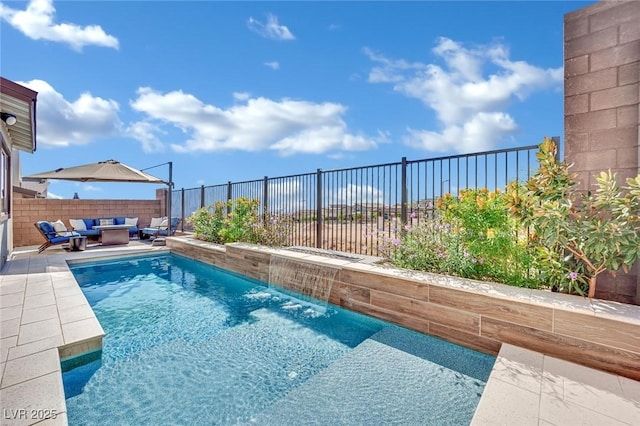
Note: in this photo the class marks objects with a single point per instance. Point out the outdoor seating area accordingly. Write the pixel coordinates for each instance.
(106, 231)
(89, 227)
(159, 227)
(52, 235)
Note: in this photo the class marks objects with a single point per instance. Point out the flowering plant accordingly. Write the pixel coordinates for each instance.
(472, 236)
(239, 220)
(576, 235)
(208, 221)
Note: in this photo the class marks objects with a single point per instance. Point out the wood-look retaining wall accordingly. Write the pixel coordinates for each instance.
(599, 334)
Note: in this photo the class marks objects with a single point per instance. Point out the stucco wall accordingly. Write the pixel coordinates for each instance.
(5, 233)
(602, 97)
(27, 211)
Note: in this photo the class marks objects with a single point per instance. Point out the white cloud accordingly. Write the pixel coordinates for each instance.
(470, 102)
(241, 96)
(37, 22)
(351, 194)
(287, 126)
(63, 123)
(271, 29)
(54, 196)
(145, 133)
(275, 65)
(91, 188)
(286, 196)
(475, 135)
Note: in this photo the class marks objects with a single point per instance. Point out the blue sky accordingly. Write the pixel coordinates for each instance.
(233, 91)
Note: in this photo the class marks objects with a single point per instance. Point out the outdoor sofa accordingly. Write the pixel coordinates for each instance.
(86, 227)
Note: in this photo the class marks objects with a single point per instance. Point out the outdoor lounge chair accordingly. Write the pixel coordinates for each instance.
(50, 235)
(160, 231)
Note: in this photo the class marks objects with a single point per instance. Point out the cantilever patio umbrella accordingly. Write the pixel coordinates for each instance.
(106, 171)
(103, 171)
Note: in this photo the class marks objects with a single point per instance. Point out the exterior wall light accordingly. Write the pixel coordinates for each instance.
(10, 119)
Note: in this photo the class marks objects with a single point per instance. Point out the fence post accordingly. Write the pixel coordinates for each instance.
(265, 200)
(403, 195)
(229, 195)
(202, 196)
(319, 218)
(182, 214)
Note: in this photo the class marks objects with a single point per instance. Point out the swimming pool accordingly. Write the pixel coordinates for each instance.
(188, 343)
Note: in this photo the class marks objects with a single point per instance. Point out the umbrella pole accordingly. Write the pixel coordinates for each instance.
(169, 184)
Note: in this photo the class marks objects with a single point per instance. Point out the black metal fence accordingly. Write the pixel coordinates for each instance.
(341, 209)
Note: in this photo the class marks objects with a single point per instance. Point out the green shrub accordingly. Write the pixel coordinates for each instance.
(276, 231)
(242, 222)
(239, 220)
(577, 235)
(208, 221)
(472, 237)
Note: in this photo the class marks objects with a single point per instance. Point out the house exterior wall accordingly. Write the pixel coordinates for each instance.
(6, 226)
(5, 238)
(602, 98)
(27, 211)
(19, 101)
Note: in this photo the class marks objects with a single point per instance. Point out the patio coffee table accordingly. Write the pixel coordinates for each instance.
(77, 243)
(113, 234)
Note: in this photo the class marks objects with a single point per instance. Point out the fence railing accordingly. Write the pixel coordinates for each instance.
(340, 209)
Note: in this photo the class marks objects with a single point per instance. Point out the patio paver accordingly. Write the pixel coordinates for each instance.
(45, 317)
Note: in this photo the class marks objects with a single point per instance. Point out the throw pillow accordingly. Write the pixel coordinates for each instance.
(78, 224)
(164, 223)
(131, 221)
(155, 222)
(104, 222)
(59, 227)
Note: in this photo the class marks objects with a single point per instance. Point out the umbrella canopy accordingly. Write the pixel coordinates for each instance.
(103, 171)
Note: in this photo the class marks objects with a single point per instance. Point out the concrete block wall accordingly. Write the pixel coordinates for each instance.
(27, 211)
(602, 98)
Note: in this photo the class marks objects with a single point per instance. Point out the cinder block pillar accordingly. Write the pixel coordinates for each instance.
(602, 98)
(161, 195)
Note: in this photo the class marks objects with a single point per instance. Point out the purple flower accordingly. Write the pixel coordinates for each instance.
(442, 255)
(573, 276)
(465, 254)
(412, 215)
(411, 256)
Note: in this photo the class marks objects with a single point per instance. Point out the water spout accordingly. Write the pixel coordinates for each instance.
(309, 279)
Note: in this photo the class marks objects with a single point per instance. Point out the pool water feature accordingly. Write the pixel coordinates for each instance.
(308, 279)
(188, 343)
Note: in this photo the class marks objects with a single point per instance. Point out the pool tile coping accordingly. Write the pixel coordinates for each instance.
(525, 387)
(45, 317)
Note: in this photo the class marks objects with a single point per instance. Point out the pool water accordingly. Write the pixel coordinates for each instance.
(189, 343)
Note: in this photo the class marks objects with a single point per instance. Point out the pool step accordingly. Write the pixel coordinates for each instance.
(243, 367)
(391, 378)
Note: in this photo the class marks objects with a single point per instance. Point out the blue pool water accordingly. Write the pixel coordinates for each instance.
(188, 343)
